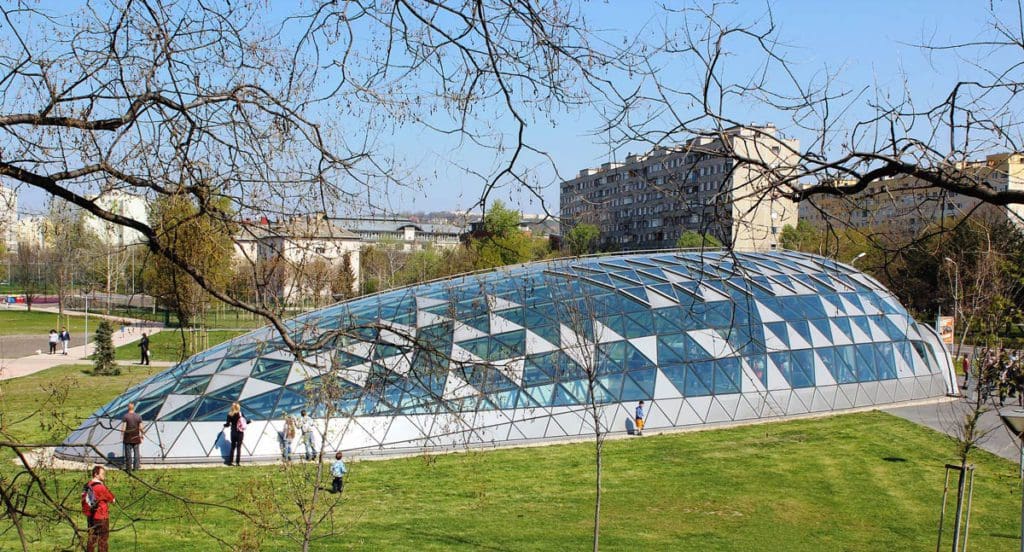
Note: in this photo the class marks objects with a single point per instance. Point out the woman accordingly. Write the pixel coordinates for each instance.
(53, 341)
(237, 424)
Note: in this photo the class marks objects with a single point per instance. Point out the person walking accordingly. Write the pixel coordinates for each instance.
(306, 426)
(144, 350)
(338, 470)
(237, 424)
(96, 501)
(54, 337)
(639, 419)
(65, 339)
(131, 438)
(287, 437)
(966, 364)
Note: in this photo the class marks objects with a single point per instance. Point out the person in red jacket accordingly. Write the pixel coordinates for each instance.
(98, 515)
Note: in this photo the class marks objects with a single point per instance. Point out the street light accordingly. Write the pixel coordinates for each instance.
(956, 295)
(1013, 418)
(858, 257)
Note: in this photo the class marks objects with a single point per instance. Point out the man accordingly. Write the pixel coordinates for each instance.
(306, 426)
(98, 513)
(144, 350)
(131, 437)
(65, 339)
(640, 418)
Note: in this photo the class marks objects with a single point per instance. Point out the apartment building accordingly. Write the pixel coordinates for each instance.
(906, 204)
(649, 200)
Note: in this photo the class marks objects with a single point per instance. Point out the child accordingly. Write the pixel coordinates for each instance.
(338, 471)
(640, 418)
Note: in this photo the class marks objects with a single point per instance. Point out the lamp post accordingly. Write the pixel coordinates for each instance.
(956, 295)
(1013, 418)
(857, 257)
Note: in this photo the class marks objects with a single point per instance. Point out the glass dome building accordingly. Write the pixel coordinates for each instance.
(528, 353)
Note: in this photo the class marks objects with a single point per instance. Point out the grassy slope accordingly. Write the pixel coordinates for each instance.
(166, 345)
(855, 482)
(14, 322)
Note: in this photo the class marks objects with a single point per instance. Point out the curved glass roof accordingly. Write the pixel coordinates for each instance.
(648, 326)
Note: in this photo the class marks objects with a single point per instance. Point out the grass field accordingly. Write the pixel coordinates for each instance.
(19, 322)
(866, 481)
(166, 345)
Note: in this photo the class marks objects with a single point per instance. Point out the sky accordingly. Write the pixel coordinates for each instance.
(868, 44)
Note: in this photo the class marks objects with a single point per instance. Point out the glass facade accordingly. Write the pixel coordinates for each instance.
(521, 353)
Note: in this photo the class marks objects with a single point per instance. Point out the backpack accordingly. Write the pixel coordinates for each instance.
(89, 501)
(240, 425)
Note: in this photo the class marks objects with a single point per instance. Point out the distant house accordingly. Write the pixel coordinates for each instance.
(306, 246)
(408, 234)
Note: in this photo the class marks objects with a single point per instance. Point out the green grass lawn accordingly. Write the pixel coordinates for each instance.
(867, 481)
(19, 322)
(166, 345)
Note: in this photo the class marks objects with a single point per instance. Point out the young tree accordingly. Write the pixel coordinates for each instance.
(29, 273)
(104, 361)
(203, 240)
(582, 239)
(694, 240)
(343, 284)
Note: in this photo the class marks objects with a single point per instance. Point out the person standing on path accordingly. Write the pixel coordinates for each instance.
(144, 350)
(338, 470)
(54, 337)
(65, 339)
(639, 418)
(237, 424)
(287, 437)
(97, 513)
(131, 437)
(306, 426)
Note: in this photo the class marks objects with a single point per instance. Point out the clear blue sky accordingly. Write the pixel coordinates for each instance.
(867, 42)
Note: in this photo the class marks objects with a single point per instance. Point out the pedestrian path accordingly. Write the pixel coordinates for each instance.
(948, 417)
(15, 368)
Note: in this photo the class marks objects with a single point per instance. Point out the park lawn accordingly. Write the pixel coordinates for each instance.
(19, 322)
(866, 481)
(166, 345)
(67, 394)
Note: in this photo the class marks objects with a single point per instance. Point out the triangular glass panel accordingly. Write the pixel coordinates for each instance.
(699, 378)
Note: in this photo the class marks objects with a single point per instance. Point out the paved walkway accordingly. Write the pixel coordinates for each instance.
(16, 367)
(947, 417)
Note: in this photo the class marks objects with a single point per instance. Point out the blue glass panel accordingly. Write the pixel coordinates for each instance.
(865, 362)
(564, 395)
(261, 407)
(541, 394)
(846, 360)
(676, 373)
(803, 369)
(293, 401)
(638, 324)
(191, 385)
(506, 400)
(822, 325)
(719, 314)
(211, 409)
(550, 333)
(539, 369)
(759, 366)
(268, 369)
(781, 330)
(147, 409)
(862, 323)
(231, 363)
(803, 329)
(700, 379)
(613, 384)
(844, 325)
(885, 362)
(727, 376)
